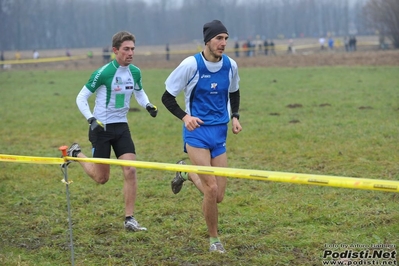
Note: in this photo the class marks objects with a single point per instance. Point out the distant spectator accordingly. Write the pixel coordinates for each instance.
(245, 47)
(90, 54)
(253, 48)
(350, 43)
(259, 45)
(290, 48)
(68, 53)
(266, 47)
(250, 48)
(167, 52)
(331, 43)
(322, 43)
(337, 44)
(272, 51)
(106, 55)
(237, 48)
(17, 55)
(36, 54)
(346, 43)
(2, 58)
(354, 43)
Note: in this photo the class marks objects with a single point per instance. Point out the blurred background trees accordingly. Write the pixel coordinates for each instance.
(49, 24)
(383, 15)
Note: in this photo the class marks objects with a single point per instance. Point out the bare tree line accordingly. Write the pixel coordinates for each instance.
(384, 16)
(50, 24)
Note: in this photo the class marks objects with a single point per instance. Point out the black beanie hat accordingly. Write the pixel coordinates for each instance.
(213, 28)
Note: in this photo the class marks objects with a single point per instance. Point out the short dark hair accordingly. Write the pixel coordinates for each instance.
(120, 37)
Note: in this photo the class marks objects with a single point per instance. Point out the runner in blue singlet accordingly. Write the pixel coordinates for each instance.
(209, 81)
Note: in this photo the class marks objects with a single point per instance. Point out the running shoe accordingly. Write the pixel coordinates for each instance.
(73, 151)
(217, 247)
(132, 225)
(177, 182)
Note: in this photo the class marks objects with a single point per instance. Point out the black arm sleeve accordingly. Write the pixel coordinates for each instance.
(171, 104)
(235, 101)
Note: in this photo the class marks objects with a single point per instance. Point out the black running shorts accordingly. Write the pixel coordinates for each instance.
(116, 136)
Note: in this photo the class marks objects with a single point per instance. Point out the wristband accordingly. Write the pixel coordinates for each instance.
(236, 115)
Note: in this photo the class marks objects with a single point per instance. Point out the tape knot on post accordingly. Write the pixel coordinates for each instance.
(65, 182)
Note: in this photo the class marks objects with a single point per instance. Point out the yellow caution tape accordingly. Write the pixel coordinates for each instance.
(30, 159)
(308, 179)
(43, 60)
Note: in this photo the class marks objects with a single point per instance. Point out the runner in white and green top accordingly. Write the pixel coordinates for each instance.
(114, 84)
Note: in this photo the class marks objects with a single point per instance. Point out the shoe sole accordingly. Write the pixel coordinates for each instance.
(177, 185)
(177, 182)
(74, 147)
(135, 230)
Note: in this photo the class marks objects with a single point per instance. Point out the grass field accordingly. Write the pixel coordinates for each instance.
(333, 121)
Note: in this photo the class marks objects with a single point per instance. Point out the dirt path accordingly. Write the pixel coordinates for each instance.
(371, 58)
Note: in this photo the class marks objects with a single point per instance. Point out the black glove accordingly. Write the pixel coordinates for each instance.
(95, 125)
(152, 109)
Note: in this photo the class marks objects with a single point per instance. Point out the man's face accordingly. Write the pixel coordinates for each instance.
(217, 44)
(124, 55)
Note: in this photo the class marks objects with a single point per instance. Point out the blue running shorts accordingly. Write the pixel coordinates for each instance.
(212, 138)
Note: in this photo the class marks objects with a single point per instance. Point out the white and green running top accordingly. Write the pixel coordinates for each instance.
(114, 86)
